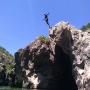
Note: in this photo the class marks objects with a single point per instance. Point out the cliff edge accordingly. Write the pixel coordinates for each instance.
(60, 61)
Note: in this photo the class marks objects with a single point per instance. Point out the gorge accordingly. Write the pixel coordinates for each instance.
(61, 60)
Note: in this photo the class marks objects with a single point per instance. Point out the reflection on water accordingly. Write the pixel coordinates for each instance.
(9, 88)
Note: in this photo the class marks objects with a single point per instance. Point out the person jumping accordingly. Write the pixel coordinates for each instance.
(46, 19)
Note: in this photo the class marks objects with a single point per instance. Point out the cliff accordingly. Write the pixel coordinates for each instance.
(81, 64)
(60, 61)
(6, 65)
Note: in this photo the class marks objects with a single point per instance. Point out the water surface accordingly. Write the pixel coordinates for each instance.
(9, 88)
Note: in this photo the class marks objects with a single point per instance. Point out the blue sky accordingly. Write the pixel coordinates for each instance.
(21, 21)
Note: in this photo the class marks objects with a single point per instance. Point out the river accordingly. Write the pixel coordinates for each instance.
(9, 88)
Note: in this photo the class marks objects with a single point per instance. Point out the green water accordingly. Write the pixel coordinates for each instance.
(9, 88)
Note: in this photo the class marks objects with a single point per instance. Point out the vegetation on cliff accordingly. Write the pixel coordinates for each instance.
(44, 39)
(85, 27)
(6, 59)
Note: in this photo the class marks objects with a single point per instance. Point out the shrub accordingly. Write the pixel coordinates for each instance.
(44, 39)
(85, 27)
(7, 59)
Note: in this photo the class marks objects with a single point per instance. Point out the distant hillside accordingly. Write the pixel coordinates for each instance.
(6, 58)
(85, 27)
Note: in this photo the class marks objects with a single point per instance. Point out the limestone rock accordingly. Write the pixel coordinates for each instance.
(79, 44)
(81, 50)
(64, 63)
(61, 43)
(60, 34)
(32, 65)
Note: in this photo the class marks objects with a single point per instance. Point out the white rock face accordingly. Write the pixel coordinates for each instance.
(34, 80)
(60, 34)
(72, 41)
(81, 50)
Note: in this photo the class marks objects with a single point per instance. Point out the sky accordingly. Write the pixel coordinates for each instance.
(21, 21)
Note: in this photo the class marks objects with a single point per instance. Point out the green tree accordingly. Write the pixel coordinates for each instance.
(85, 27)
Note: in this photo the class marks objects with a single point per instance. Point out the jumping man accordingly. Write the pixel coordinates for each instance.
(46, 19)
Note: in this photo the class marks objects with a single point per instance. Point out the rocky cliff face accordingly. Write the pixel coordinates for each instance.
(59, 63)
(33, 65)
(81, 50)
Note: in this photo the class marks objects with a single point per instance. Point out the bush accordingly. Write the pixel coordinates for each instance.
(44, 39)
(85, 27)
